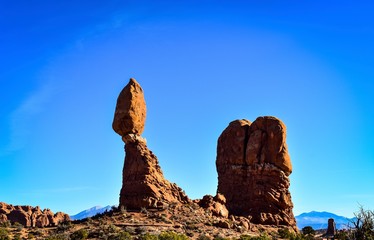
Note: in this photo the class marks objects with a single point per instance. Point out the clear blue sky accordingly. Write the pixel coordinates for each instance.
(201, 64)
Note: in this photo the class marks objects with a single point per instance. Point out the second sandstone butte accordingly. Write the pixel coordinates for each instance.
(143, 183)
(253, 167)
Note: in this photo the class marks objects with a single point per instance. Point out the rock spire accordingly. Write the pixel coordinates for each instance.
(143, 183)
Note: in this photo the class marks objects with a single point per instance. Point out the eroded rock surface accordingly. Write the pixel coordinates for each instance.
(143, 185)
(143, 182)
(31, 216)
(130, 113)
(216, 205)
(253, 167)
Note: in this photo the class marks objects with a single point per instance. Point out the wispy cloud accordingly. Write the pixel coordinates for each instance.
(20, 118)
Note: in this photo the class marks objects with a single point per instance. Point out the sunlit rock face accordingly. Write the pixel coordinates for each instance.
(253, 166)
(143, 183)
(30, 216)
(130, 113)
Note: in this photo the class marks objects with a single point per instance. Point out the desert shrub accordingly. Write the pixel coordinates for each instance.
(124, 236)
(363, 224)
(262, 236)
(6, 224)
(341, 235)
(18, 226)
(79, 234)
(148, 236)
(58, 237)
(120, 236)
(308, 230)
(113, 229)
(4, 234)
(172, 236)
(37, 232)
(220, 238)
(64, 226)
(30, 236)
(123, 209)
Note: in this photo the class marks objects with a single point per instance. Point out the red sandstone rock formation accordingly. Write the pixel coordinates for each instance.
(31, 217)
(253, 167)
(215, 204)
(130, 113)
(143, 182)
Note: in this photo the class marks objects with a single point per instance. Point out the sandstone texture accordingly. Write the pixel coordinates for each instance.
(253, 167)
(143, 182)
(31, 216)
(130, 113)
(216, 205)
(143, 185)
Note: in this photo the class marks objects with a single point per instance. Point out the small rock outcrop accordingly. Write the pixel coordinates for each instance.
(331, 228)
(30, 216)
(143, 183)
(216, 205)
(253, 167)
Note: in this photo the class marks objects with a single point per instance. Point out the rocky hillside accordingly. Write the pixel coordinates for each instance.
(188, 220)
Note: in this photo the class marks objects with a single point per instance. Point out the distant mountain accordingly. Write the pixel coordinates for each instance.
(318, 220)
(90, 212)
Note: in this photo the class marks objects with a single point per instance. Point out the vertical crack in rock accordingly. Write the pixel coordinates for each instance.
(245, 142)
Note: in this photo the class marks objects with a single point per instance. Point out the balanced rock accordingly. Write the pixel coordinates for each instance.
(143, 183)
(130, 113)
(31, 216)
(253, 167)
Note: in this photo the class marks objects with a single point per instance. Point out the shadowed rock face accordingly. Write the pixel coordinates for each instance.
(31, 216)
(331, 228)
(253, 167)
(143, 182)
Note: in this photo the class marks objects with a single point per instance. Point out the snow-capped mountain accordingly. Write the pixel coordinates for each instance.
(318, 220)
(90, 212)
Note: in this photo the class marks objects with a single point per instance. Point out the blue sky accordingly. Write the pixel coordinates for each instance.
(201, 64)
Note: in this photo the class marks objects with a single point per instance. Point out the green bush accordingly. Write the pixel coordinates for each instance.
(58, 237)
(363, 224)
(120, 236)
(64, 226)
(308, 230)
(172, 236)
(263, 236)
(80, 234)
(4, 234)
(148, 236)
